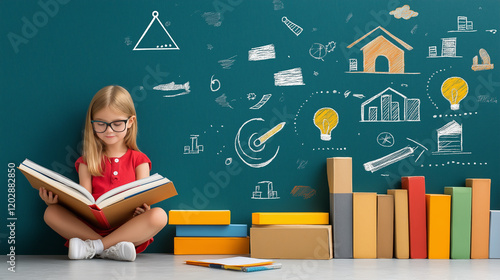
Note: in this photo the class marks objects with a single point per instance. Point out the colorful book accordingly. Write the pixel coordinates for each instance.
(401, 228)
(480, 227)
(494, 234)
(339, 171)
(460, 231)
(211, 245)
(341, 221)
(199, 217)
(385, 226)
(233, 230)
(438, 225)
(290, 218)
(233, 262)
(416, 215)
(364, 225)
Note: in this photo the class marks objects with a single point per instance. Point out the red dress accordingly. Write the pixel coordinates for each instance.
(116, 172)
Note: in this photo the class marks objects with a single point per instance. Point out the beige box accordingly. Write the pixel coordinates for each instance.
(339, 170)
(291, 242)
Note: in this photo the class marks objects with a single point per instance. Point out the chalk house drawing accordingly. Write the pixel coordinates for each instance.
(260, 191)
(450, 139)
(165, 42)
(464, 25)
(485, 59)
(390, 106)
(195, 148)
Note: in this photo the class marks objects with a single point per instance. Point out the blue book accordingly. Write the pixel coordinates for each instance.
(232, 230)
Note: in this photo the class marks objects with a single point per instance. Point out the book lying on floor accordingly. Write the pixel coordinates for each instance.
(238, 263)
(111, 209)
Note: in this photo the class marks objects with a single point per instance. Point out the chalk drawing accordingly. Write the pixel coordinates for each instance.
(389, 159)
(385, 139)
(464, 25)
(414, 29)
(214, 84)
(427, 88)
(173, 87)
(128, 42)
(403, 12)
(278, 5)
(213, 18)
(194, 148)
(227, 63)
(291, 77)
(222, 101)
(326, 119)
(454, 89)
(493, 31)
(319, 51)
(348, 18)
(383, 107)
(292, 26)
(164, 43)
(450, 139)
(251, 96)
(269, 194)
(262, 101)
(485, 59)
(448, 49)
(302, 164)
(262, 53)
(303, 191)
(359, 95)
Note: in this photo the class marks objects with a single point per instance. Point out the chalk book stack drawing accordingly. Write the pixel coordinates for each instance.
(111, 209)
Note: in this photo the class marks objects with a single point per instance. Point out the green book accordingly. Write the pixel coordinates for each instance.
(461, 207)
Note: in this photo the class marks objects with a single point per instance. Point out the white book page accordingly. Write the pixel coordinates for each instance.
(123, 195)
(236, 261)
(128, 186)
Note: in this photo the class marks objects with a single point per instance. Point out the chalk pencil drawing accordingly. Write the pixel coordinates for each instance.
(326, 119)
(383, 107)
(262, 101)
(292, 26)
(382, 52)
(403, 12)
(165, 42)
(448, 49)
(454, 89)
(194, 148)
(389, 159)
(464, 25)
(270, 133)
(450, 139)
(269, 194)
(385, 139)
(222, 101)
(214, 84)
(485, 59)
(319, 51)
(303, 191)
(172, 86)
(291, 77)
(262, 53)
(228, 62)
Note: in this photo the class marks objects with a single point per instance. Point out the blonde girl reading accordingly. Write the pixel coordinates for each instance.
(110, 158)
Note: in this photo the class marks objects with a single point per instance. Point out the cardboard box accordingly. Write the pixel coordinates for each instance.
(199, 217)
(417, 216)
(341, 221)
(211, 245)
(385, 226)
(339, 170)
(291, 242)
(480, 231)
(290, 218)
(461, 206)
(364, 225)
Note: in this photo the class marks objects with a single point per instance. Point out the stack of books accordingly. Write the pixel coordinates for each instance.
(208, 232)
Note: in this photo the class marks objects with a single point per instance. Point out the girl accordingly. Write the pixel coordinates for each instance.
(110, 158)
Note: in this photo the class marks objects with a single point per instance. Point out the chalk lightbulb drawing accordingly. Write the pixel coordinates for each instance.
(454, 89)
(326, 119)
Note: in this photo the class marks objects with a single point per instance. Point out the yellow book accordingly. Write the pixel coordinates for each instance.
(401, 224)
(211, 245)
(438, 225)
(364, 225)
(199, 217)
(290, 218)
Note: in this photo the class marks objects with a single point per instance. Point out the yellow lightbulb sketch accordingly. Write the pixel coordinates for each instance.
(326, 119)
(454, 89)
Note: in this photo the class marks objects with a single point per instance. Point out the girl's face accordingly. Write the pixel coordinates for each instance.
(110, 119)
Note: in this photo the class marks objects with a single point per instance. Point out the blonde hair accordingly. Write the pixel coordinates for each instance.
(116, 98)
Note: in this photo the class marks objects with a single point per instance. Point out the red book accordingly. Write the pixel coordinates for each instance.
(417, 215)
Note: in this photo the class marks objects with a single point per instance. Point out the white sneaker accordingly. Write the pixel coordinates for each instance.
(80, 250)
(122, 251)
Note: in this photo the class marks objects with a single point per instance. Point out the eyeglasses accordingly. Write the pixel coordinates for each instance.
(116, 126)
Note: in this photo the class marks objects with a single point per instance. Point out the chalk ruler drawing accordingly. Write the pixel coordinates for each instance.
(269, 194)
(448, 49)
(326, 119)
(291, 77)
(173, 87)
(454, 89)
(385, 139)
(319, 51)
(381, 49)
(194, 148)
(403, 12)
(262, 53)
(450, 140)
(292, 26)
(164, 43)
(383, 107)
(262, 101)
(485, 59)
(464, 25)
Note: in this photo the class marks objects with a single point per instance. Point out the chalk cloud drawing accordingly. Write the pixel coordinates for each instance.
(454, 89)
(172, 86)
(262, 53)
(403, 12)
(326, 119)
(450, 139)
(260, 189)
(291, 77)
(161, 43)
(194, 148)
(228, 62)
(262, 102)
(385, 139)
(319, 51)
(464, 25)
(485, 59)
(292, 26)
(303, 191)
(255, 145)
(222, 101)
(214, 84)
(448, 49)
(383, 107)
(381, 48)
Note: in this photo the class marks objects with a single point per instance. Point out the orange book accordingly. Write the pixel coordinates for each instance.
(199, 217)
(385, 226)
(401, 232)
(211, 245)
(438, 225)
(364, 225)
(480, 229)
(417, 215)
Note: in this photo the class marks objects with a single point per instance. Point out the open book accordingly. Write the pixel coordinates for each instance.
(111, 209)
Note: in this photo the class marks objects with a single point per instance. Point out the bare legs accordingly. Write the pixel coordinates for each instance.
(137, 230)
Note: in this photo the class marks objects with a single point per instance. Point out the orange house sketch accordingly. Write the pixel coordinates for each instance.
(382, 47)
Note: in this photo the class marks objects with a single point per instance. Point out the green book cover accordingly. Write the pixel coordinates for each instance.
(461, 207)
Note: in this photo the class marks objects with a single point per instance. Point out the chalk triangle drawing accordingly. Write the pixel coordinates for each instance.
(155, 42)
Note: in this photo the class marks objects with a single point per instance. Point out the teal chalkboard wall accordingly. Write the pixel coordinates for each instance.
(229, 74)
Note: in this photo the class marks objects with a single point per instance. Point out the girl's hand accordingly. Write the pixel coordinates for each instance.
(48, 197)
(142, 209)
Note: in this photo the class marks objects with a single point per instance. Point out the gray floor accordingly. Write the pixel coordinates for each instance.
(167, 266)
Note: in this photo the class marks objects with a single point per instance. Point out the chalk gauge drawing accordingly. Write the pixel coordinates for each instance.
(262, 53)
(403, 12)
(292, 26)
(164, 42)
(464, 25)
(326, 119)
(262, 101)
(390, 106)
(450, 140)
(255, 145)
(485, 59)
(394, 157)
(319, 51)
(291, 77)
(448, 49)
(385, 139)
(194, 148)
(214, 84)
(175, 88)
(382, 50)
(270, 193)
(454, 89)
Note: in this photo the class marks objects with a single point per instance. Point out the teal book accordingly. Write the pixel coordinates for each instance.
(461, 209)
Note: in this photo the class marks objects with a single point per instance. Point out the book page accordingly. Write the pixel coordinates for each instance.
(235, 261)
(128, 186)
(131, 192)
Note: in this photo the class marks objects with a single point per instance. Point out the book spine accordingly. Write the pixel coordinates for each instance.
(401, 228)
(364, 229)
(211, 245)
(438, 225)
(290, 218)
(495, 233)
(385, 226)
(207, 217)
(417, 215)
(99, 215)
(341, 220)
(234, 230)
(460, 228)
(339, 171)
(480, 217)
